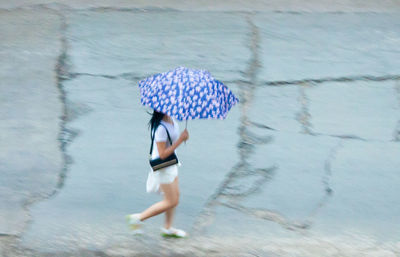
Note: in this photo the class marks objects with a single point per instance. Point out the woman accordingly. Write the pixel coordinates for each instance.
(164, 181)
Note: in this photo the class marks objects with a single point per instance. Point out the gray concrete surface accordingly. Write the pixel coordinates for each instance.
(324, 46)
(30, 157)
(305, 165)
(106, 44)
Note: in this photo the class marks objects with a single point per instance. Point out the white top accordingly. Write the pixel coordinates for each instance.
(161, 135)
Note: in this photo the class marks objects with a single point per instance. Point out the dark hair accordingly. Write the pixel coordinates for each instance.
(155, 120)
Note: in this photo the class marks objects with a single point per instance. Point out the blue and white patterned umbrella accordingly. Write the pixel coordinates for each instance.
(187, 94)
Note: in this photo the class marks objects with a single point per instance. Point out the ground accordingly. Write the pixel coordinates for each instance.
(305, 165)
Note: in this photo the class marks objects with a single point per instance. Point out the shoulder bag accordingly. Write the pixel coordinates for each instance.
(159, 163)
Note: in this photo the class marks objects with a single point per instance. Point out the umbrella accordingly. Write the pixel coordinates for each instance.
(187, 94)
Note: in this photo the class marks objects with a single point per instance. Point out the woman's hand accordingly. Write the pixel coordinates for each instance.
(164, 151)
(184, 136)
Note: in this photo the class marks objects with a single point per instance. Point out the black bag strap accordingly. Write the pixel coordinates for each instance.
(153, 134)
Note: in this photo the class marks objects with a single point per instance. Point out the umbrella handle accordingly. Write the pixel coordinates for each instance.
(185, 128)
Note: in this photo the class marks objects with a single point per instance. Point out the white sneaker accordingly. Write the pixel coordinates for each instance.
(173, 232)
(134, 223)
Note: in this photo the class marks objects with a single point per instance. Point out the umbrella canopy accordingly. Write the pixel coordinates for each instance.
(187, 94)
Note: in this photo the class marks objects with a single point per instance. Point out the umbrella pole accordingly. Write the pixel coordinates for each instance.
(185, 128)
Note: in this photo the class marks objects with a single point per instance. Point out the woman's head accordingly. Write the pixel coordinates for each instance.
(155, 119)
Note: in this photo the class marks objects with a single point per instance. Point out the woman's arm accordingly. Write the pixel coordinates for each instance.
(164, 151)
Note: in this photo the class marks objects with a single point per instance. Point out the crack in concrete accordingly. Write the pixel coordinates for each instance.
(63, 7)
(304, 115)
(231, 191)
(62, 70)
(253, 139)
(78, 74)
(330, 79)
(127, 75)
(344, 136)
(6, 235)
(265, 214)
(349, 137)
(326, 182)
(328, 167)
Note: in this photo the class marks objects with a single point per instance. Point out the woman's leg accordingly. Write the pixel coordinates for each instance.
(169, 214)
(171, 199)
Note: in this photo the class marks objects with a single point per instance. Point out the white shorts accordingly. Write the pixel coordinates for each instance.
(162, 176)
